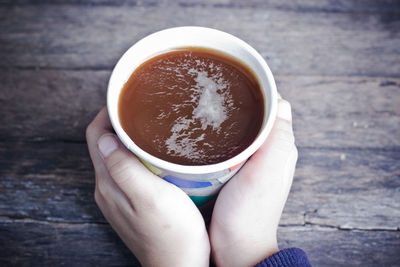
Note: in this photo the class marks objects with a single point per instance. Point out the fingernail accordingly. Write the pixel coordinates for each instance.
(107, 144)
(284, 110)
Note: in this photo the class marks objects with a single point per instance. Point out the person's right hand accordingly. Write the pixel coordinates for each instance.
(246, 214)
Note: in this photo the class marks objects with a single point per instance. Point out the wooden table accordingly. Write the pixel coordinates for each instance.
(337, 62)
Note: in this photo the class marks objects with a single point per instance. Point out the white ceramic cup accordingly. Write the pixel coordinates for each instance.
(203, 182)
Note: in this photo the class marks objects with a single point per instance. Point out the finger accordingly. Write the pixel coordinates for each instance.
(105, 187)
(273, 155)
(284, 110)
(281, 135)
(98, 127)
(129, 174)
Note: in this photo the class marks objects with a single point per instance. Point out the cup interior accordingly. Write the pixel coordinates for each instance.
(186, 37)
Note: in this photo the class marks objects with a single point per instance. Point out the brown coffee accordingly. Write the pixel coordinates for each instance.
(192, 106)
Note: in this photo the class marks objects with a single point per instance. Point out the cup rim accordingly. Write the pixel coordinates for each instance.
(197, 169)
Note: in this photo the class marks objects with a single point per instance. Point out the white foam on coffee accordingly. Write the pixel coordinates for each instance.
(181, 143)
(210, 109)
(211, 100)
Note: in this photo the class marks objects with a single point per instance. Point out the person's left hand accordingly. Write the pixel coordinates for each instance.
(155, 219)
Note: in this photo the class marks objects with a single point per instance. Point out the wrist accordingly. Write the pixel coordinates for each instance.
(192, 253)
(180, 259)
(244, 253)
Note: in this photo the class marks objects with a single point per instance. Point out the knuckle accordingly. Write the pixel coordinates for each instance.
(121, 171)
(287, 103)
(284, 130)
(283, 145)
(285, 111)
(283, 124)
(146, 199)
(127, 178)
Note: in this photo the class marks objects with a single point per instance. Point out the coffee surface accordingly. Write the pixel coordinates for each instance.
(192, 107)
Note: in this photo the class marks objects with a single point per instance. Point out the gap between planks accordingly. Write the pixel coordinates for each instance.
(4, 219)
(44, 140)
(110, 68)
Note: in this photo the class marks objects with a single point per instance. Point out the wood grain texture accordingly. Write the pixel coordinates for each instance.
(44, 244)
(352, 112)
(94, 37)
(358, 112)
(347, 189)
(50, 181)
(50, 104)
(332, 247)
(337, 62)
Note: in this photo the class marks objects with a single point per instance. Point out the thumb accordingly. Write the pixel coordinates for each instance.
(278, 154)
(128, 173)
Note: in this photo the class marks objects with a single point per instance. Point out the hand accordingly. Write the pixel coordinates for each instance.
(155, 219)
(247, 211)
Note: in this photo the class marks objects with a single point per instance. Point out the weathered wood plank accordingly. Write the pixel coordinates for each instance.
(47, 181)
(348, 189)
(332, 247)
(358, 112)
(50, 104)
(309, 43)
(348, 175)
(344, 112)
(39, 244)
(300, 6)
(44, 244)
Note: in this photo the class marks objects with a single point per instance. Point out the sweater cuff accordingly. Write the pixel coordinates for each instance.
(289, 257)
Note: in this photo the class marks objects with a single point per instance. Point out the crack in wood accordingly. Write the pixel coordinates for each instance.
(39, 68)
(15, 219)
(355, 148)
(109, 68)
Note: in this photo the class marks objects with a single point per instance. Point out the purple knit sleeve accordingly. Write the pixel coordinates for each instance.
(289, 257)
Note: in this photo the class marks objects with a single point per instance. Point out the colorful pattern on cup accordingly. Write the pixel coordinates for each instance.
(185, 183)
(151, 168)
(200, 188)
(201, 200)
